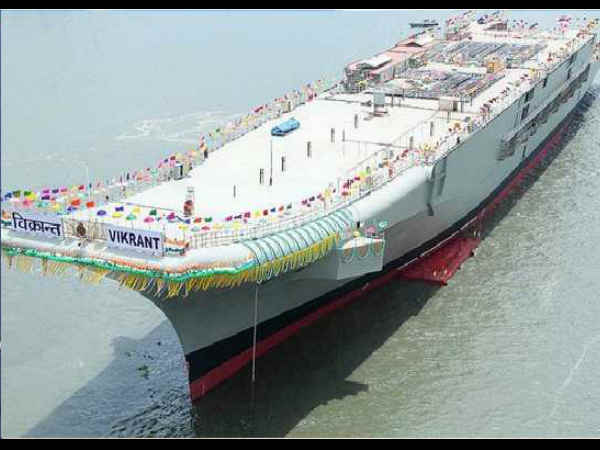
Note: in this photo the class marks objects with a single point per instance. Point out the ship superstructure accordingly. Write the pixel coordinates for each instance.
(378, 169)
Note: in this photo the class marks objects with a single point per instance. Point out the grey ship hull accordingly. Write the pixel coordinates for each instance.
(216, 327)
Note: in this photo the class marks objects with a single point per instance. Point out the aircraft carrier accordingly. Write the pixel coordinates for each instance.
(328, 192)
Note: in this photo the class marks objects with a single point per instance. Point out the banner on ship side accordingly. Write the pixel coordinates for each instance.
(34, 223)
(143, 241)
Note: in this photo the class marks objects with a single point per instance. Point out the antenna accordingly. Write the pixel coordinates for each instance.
(271, 176)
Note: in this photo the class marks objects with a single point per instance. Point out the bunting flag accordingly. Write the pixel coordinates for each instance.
(171, 284)
(220, 135)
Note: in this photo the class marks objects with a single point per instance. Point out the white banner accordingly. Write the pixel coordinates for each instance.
(36, 223)
(138, 240)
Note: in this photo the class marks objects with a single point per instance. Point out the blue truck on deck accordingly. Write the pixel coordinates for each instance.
(286, 127)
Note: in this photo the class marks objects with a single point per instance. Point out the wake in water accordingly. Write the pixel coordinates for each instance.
(181, 129)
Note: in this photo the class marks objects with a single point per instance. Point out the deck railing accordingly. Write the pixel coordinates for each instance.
(382, 166)
(385, 164)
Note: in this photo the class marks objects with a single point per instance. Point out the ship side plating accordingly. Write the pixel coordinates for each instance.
(421, 207)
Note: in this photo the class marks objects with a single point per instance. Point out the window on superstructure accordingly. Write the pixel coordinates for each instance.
(529, 95)
(532, 127)
(569, 74)
(545, 82)
(585, 74)
(524, 112)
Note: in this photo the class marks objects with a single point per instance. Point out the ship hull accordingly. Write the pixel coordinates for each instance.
(217, 328)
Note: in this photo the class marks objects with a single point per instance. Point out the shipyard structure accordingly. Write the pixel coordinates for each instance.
(300, 206)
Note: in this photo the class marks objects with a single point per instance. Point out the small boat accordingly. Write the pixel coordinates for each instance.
(425, 24)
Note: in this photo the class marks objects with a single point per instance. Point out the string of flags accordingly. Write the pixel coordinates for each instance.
(98, 195)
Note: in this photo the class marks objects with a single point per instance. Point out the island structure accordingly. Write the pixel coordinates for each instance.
(304, 204)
